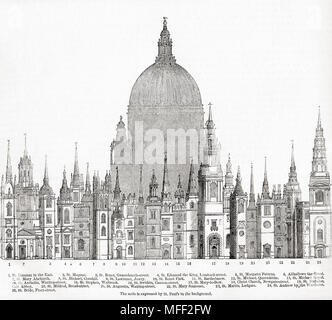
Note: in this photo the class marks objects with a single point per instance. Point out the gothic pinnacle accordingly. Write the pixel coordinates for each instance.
(9, 173)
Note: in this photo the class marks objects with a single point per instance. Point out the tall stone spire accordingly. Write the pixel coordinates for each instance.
(76, 175)
(238, 190)
(46, 189)
(252, 187)
(165, 55)
(140, 188)
(25, 146)
(319, 160)
(192, 187)
(265, 189)
(46, 179)
(292, 172)
(9, 172)
(87, 181)
(117, 190)
(165, 192)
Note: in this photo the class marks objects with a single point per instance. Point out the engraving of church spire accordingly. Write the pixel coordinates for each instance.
(140, 188)
(165, 192)
(319, 160)
(9, 172)
(238, 190)
(25, 168)
(229, 174)
(192, 186)
(252, 187)
(165, 45)
(292, 171)
(153, 186)
(87, 181)
(265, 189)
(76, 180)
(179, 193)
(117, 190)
(65, 192)
(46, 189)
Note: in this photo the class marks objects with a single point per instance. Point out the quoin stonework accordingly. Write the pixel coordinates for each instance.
(165, 195)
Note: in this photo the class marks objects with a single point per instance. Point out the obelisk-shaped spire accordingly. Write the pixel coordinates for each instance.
(87, 180)
(252, 187)
(165, 192)
(9, 172)
(265, 189)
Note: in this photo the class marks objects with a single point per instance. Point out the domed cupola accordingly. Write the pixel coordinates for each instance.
(165, 83)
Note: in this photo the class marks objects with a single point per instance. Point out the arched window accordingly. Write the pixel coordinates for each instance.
(130, 250)
(153, 242)
(241, 206)
(103, 218)
(9, 209)
(320, 235)
(66, 216)
(319, 196)
(9, 252)
(103, 231)
(213, 191)
(49, 203)
(192, 240)
(9, 233)
(81, 245)
(228, 241)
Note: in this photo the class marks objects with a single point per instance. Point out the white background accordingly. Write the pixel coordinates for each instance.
(67, 68)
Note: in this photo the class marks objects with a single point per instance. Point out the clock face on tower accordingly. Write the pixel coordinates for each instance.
(267, 224)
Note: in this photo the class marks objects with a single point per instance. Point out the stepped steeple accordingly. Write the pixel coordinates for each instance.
(9, 172)
(292, 172)
(25, 168)
(319, 161)
(153, 186)
(192, 187)
(76, 182)
(179, 193)
(229, 175)
(165, 44)
(117, 190)
(265, 189)
(165, 192)
(65, 194)
(252, 187)
(238, 190)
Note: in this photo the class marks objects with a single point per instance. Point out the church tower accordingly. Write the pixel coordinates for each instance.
(211, 224)
(265, 220)
(8, 216)
(319, 198)
(238, 208)
(76, 184)
(292, 192)
(251, 220)
(47, 215)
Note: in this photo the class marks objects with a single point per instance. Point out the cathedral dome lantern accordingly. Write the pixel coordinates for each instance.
(165, 83)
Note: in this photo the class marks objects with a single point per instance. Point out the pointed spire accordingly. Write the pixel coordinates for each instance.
(65, 194)
(252, 188)
(192, 190)
(265, 189)
(153, 186)
(140, 190)
(46, 179)
(229, 174)
(238, 190)
(165, 193)
(319, 122)
(292, 172)
(165, 55)
(117, 190)
(9, 173)
(179, 193)
(76, 180)
(87, 182)
(25, 146)
(209, 123)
